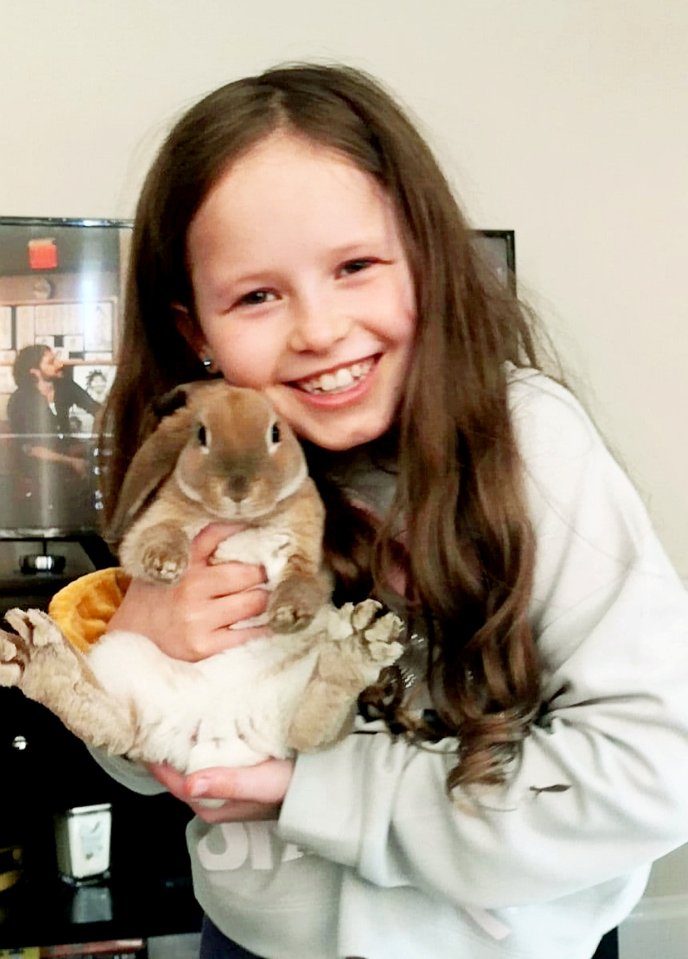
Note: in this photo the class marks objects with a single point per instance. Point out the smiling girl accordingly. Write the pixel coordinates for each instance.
(507, 787)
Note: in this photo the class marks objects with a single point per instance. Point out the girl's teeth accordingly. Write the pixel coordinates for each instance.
(344, 377)
(341, 379)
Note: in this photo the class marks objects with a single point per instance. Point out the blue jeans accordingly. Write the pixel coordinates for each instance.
(215, 945)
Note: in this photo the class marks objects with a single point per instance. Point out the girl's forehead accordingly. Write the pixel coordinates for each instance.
(282, 162)
(288, 142)
(287, 177)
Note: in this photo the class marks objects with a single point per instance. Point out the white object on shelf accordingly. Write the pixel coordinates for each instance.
(82, 836)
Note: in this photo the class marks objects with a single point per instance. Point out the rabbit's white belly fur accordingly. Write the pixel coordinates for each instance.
(232, 709)
(265, 547)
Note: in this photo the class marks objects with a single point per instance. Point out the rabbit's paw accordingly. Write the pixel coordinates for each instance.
(159, 566)
(363, 614)
(378, 632)
(164, 555)
(12, 659)
(34, 629)
(294, 602)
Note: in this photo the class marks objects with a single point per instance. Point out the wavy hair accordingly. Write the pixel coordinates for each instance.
(468, 547)
(27, 359)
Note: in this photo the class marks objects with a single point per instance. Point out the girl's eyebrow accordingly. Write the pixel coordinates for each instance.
(378, 244)
(226, 285)
(372, 243)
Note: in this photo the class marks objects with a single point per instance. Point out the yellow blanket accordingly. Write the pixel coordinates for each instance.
(83, 608)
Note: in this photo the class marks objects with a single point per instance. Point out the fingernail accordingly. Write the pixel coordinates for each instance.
(199, 787)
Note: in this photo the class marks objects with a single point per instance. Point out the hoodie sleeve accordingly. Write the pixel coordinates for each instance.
(129, 774)
(601, 785)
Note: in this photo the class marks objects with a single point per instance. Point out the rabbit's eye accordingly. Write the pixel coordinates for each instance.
(273, 436)
(201, 435)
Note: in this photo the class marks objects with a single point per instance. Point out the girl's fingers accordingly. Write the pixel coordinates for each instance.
(226, 579)
(225, 611)
(206, 542)
(251, 793)
(267, 782)
(203, 629)
(191, 620)
(173, 781)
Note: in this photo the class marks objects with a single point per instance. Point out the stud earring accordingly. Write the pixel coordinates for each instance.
(209, 365)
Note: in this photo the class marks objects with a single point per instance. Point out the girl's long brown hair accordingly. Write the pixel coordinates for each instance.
(469, 548)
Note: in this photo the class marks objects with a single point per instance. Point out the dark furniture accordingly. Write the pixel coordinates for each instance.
(45, 770)
(149, 890)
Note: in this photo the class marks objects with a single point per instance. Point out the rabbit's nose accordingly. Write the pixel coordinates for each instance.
(238, 486)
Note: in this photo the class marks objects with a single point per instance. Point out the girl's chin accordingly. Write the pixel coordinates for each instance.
(340, 436)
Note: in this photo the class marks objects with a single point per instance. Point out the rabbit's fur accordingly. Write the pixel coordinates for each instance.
(221, 455)
(225, 455)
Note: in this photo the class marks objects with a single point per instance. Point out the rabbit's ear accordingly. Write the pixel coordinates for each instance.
(171, 401)
(150, 467)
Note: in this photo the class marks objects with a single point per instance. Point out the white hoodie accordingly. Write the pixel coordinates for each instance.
(370, 858)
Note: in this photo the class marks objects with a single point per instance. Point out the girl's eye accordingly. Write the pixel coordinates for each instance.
(256, 298)
(355, 266)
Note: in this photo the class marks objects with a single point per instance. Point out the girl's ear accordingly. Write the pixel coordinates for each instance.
(189, 329)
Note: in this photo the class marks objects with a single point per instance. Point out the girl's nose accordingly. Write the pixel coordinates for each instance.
(317, 327)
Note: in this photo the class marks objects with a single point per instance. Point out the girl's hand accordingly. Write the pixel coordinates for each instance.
(250, 793)
(191, 620)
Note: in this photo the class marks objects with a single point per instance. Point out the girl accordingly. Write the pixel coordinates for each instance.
(508, 785)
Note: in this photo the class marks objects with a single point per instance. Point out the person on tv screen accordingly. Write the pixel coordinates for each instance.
(39, 415)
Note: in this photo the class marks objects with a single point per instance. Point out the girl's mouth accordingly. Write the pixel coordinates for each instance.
(337, 381)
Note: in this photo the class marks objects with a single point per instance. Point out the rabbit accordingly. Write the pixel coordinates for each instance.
(225, 455)
(220, 453)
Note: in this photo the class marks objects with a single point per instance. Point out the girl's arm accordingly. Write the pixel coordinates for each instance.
(601, 786)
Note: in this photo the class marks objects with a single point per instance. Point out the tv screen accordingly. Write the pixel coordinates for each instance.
(61, 291)
(499, 249)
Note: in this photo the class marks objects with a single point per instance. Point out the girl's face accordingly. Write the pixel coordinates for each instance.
(302, 288)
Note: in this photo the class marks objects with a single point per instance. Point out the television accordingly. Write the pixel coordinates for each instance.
(61, 294)
(499, 249)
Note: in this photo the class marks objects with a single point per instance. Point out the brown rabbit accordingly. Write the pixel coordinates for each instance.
(221, 454)
(225, 455)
